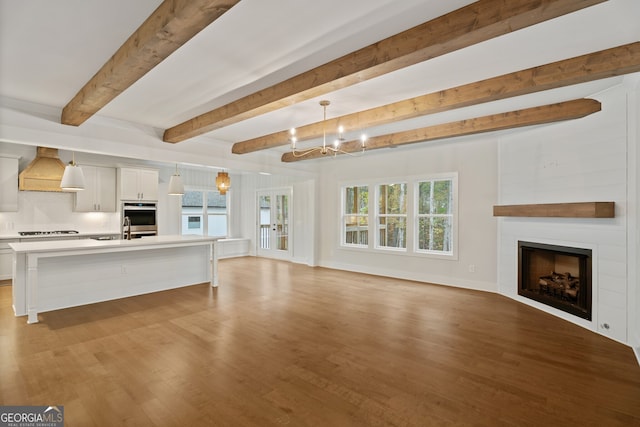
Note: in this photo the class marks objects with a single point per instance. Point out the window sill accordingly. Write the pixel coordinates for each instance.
(400, 252)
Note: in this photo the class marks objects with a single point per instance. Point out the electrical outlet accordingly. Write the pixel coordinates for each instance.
(472, 268)
(123, 269)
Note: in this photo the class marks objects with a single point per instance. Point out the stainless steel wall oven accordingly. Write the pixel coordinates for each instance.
(143, 219)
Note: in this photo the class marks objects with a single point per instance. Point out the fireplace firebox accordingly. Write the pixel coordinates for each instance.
(558, 276)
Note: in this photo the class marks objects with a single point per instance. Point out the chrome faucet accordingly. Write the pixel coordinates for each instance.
(127, 223)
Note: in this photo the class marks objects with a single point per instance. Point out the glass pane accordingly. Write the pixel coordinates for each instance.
(393, 199)
(217, 224)
(265, 221)
(356, 200)
(393, 232)
(350, 202)
(441, 197)
(192, 199)
(216, 200)
(363, 200)
(282, 222)
(192, 223)
(424, 197)
(356, 230)
(435, 234)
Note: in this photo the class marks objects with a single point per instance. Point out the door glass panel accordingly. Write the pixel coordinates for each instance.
(282, 222)
(265, 221)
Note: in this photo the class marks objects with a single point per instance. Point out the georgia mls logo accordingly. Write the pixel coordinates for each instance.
(31, 416)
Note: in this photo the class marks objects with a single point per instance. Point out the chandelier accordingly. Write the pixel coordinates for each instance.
(325, 148)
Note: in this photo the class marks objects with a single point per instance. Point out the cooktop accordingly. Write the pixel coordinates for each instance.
(46, 233)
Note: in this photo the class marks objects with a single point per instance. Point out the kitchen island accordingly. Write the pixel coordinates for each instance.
(52, 275)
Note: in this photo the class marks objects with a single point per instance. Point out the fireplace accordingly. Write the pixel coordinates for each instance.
(558, 276)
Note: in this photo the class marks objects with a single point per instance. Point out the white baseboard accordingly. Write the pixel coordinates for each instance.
(636, 348)
(305, 261)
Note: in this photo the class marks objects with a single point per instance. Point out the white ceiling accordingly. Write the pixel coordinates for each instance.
(50, 49)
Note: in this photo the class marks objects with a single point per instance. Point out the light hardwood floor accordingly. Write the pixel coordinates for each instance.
(283, 344)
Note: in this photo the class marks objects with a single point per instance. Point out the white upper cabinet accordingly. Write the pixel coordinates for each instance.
(8, 184)
(138, 184)
(99, 194)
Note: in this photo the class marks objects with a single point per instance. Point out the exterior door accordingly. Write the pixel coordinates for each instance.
(274, 216)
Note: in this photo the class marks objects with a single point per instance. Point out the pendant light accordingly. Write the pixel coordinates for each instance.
(223, 182)
(73, 178)
(176, 186)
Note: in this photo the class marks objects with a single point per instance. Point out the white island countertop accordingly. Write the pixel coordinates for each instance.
(15, 235)
(55, 274)
(73, 245)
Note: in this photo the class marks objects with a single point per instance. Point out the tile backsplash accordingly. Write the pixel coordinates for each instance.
(54, 211)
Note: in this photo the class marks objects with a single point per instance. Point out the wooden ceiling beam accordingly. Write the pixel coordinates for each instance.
(472, 24)
(171, 25)
(514, 119)
(599, 65)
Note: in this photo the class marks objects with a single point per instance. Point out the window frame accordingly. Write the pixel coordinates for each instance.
(344, 215)
(377, 216)
(452, 177)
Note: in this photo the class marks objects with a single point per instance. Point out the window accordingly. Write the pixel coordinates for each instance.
(434, 216)
(204, 213)
(355, 216)
(392, 216)
(417, 217)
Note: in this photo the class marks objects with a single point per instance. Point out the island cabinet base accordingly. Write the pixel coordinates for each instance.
(49, 281)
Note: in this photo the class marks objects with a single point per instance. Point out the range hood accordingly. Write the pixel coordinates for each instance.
(44, 173)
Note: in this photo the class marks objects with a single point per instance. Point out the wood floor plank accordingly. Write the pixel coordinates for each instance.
(284, 344)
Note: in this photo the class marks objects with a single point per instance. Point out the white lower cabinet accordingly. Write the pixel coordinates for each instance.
(99, 194)
(6, 259)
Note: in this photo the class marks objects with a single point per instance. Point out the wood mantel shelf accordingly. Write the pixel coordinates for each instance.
(558, 210)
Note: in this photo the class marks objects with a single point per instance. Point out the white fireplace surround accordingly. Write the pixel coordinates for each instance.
(593, 158)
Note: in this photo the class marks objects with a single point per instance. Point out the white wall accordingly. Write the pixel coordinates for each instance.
(475, 160)
(634, 212)
(574, 161)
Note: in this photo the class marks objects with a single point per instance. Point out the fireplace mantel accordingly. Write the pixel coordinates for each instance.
(558, 210)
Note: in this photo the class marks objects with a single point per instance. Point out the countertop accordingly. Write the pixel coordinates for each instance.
(13, 235)
(90, 244)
